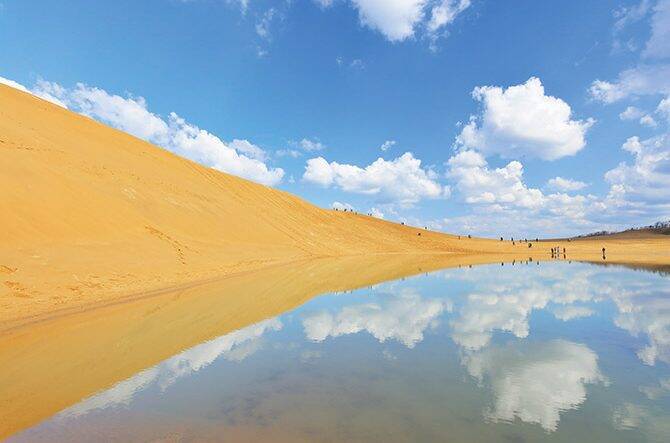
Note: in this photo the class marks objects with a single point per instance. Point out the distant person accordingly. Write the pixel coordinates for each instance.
(530, 245)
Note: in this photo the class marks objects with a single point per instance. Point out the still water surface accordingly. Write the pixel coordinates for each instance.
(550, 352)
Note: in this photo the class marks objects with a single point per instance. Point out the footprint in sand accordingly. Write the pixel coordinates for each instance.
(7, 270)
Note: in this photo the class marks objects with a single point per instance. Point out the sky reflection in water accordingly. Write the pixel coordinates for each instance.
(552, 352)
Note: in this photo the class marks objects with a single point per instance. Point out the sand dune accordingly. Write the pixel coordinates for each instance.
(91, 215)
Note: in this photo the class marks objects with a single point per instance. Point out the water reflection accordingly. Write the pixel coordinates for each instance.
(567, 351)
(401, 316)
(644, 310)
(235, 346)
(535, 382)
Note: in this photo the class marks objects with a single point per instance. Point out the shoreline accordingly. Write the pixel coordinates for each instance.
(483, 257)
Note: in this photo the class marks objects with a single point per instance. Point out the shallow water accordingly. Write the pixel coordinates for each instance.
(556, 352)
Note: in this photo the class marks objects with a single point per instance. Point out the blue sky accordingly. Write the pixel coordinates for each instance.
(525, 118)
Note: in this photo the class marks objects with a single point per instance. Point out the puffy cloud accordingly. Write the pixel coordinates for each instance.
(565, 184)
(401, 180)
(658, 45)
(131, 114)
(480, 184)
(388, 144)
(396, 19)
(535, 382)
(648, 120)
(403, 317)
(647, 179)
(504, 203)
(399, 20)
(631, 113)
(523, 121)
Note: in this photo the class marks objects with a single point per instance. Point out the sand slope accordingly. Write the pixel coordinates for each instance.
(91, 214)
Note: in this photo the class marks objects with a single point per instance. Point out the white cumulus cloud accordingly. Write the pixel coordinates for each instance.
(523, 121)
(480, 184)
(399, 20)
(647, 178)
(401, 180)
(631, 113)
